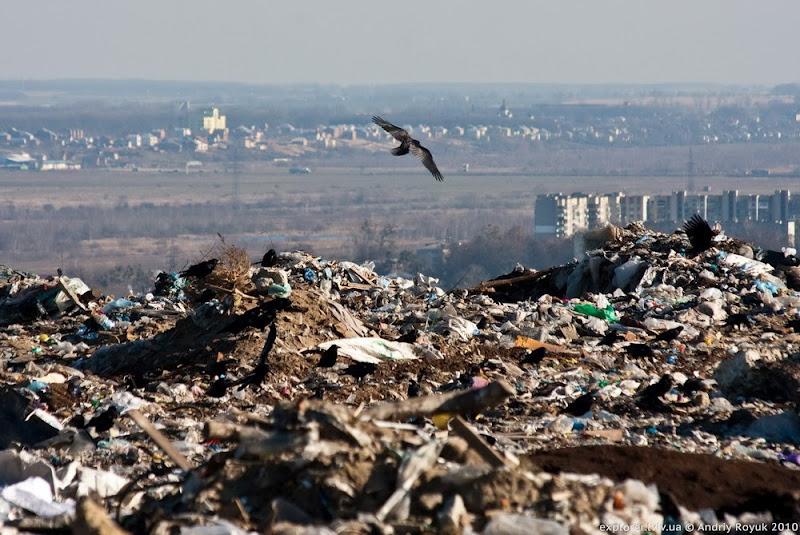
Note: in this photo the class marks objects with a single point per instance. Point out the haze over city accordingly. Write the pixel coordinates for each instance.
(360, 41)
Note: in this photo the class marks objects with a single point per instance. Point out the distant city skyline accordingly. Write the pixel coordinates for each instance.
(364, 42)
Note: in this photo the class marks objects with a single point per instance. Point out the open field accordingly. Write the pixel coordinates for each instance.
(100, 187)
(94, 222)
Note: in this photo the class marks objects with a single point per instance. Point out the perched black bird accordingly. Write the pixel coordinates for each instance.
(794, 325)
(219, 387)
(359, 370)
(31, 308)
(163, 283)
(269, 259)
(752, 300)
(639, 350)
(78, 421)
(206, 295)
(610, 338)
(104, 421)
(670, 334)
(328, 358)
(414, 390)
(581, 405)
(534, 356)
(201, 270)
(792, 275)
(218, 366)
(699, 233)
(547, 389)
(409, 337)
(739, 320)
(60, 272)
(648, 397)
(778, 259)
(409, 144)
(692, 385)
(262, 367)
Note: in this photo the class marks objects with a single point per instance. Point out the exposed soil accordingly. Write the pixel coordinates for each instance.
(695, 481)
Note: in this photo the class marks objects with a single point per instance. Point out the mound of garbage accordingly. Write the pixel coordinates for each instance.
(647, 387)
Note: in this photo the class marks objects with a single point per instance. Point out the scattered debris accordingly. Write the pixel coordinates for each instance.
(652, 382)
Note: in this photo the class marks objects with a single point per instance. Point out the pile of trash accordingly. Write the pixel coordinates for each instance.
(651, 386)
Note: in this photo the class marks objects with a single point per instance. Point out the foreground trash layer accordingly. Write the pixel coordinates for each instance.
(645, 387)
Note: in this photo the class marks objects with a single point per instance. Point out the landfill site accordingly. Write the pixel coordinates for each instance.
(649, 386)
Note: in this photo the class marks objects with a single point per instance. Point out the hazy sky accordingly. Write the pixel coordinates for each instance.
(377, 41)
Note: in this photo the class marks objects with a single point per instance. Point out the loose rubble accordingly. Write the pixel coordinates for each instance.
(642, 388)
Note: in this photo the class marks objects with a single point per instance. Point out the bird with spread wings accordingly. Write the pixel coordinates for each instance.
(409, 144)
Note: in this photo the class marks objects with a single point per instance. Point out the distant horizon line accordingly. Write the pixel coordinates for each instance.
(391, 84)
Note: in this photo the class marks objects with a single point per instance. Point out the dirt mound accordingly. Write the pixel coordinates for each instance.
(695, 481)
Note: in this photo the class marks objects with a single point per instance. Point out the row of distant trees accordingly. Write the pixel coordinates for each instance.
(464, 263)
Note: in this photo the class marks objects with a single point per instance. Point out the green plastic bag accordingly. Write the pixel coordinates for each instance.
(608, 313)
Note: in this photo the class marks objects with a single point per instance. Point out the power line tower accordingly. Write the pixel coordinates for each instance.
(691, 185)
(184, 113)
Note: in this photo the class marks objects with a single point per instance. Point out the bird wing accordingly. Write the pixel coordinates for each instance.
(699, 232)
(398, 133)
(426, 158)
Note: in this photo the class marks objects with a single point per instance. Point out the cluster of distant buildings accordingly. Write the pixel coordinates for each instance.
(75, 149)
(562, 216)
(46, 149)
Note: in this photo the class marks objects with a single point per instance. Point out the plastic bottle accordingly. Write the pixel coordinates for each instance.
(118, 304)
(104, 321)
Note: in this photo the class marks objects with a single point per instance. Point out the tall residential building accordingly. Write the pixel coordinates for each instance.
(214, 122)
(660, 208)
(602, 210)
(753, 207)
(634, 208)
(730, 206)
(563, 215)
(696, 204)
(560, 215)
(714, 207)
(779, 206)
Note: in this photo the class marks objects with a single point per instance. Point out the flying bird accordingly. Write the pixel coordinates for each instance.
(699, 232)
(409, 144)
